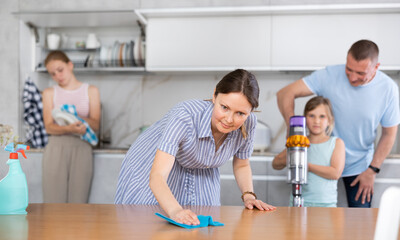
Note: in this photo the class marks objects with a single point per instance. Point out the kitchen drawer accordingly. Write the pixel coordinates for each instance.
(278, 193)
(105, 177)
(231, 195)
(390, 169)
(259, 166)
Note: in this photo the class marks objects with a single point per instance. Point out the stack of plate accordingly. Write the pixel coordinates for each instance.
(63, 118)
(124, 54)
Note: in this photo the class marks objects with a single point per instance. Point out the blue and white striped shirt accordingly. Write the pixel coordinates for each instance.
(184, 132)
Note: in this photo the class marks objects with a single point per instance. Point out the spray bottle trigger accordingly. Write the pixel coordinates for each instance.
(22, 152)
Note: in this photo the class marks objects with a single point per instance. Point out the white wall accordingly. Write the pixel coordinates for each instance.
(9, 48)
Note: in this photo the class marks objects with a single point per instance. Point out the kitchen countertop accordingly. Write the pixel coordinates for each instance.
(124, 150)
(117, 221)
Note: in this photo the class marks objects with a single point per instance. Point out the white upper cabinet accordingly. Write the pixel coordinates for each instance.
(277, 38)
(316, 40)
(208, 43)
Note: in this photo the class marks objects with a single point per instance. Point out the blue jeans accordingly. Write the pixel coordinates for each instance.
(351, 193)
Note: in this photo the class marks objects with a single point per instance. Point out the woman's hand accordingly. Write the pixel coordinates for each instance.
(260, 205)
(185, 216)
(78, 127)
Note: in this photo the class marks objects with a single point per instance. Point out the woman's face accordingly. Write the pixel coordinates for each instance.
(60, 71)
(230, 112)
(318, 120)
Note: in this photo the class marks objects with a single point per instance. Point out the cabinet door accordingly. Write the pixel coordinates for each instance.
(106, 170)
(313, 40)
(208, 43)
(230, 192)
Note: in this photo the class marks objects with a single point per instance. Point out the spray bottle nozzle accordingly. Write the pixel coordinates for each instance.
(15, 149)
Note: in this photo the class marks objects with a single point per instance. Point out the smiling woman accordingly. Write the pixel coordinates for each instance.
(175, 161)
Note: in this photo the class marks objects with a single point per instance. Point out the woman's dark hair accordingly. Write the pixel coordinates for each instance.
(364, 49)
(56, 55)
(240, 81)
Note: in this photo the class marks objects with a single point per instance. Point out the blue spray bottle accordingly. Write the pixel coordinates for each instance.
(13, 187)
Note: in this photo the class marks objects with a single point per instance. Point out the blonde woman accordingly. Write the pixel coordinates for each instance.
(67, 159)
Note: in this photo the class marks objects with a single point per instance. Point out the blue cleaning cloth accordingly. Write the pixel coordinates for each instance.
(205, 221)
(89, 136)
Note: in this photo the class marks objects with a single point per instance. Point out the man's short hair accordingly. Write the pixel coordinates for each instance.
(364, 49)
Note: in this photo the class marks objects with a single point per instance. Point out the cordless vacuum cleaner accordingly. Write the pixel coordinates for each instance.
(296, 157)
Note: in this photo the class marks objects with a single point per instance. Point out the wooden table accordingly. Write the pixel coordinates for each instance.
(108, 221)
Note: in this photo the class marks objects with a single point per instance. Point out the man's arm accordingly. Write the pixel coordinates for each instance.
(279, 161)
(385, 144)
(288, 94)
(367, 178)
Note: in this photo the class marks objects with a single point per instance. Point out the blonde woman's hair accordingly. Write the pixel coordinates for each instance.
(56, 55)
(313, 103)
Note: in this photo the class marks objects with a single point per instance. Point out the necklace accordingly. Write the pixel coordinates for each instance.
(219, 140)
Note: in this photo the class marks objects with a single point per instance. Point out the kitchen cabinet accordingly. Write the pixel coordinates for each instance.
(106, 167)
(105, 177)
(317, 40)
(261, 38)
(267, 38)
(270, 185)
(211, 43)
(115, 30)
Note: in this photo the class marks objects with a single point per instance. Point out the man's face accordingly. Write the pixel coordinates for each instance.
(360, 72)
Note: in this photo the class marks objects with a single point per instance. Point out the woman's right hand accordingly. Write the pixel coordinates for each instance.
(185, 216)
(78, 128)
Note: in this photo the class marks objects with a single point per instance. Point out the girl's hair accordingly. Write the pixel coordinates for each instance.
(314, 102)
(56, 55)
(240, 81)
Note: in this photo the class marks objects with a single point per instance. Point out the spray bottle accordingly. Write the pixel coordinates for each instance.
(13, 187)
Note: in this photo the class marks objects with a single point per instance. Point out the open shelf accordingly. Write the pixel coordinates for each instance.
(101, 69)
(79, 18)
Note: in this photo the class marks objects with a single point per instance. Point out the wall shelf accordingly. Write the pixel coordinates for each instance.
(79, 18)
(102, 69)
(114, 26)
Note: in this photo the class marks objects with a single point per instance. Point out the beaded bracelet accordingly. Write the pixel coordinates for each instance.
(248, 192)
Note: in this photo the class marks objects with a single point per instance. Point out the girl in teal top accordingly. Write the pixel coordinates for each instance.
(326, 155)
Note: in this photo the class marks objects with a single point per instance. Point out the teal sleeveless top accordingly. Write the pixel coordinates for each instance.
(319, 191)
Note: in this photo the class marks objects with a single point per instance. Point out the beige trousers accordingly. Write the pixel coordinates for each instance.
(67, 170)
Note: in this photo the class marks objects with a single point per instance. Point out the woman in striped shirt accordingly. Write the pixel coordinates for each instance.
(175, 161)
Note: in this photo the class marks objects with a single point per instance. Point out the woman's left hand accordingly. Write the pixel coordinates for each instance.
(260, 205)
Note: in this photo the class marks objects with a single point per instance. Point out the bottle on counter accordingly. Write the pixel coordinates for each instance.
(13, 187)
